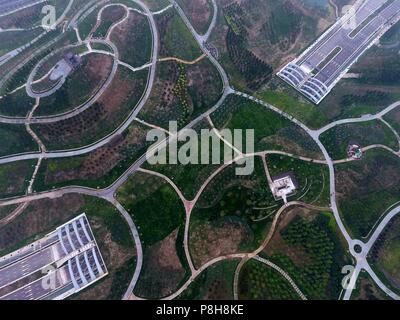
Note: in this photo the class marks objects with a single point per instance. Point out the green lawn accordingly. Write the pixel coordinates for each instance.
(304, 111)
(15, 139)
(337, 139)
(367, 188)
(260, 282)
(178, 40)
(14, 178)
(319, 254)
(215, 283)
(156, 212)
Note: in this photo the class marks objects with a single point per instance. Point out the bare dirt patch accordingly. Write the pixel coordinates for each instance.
(278, 246)
(162, 270)
(366, 189)
(113, 13)
(98, 120)
(39, 217)
(98, 67)
(210, 240)
(101, 161)
(369, 291)
(199, 13)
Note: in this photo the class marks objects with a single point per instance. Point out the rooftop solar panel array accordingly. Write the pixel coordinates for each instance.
(71, 255)
(322, 65)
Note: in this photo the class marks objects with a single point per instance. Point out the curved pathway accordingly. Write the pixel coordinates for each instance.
(284, 274)
(138, 245)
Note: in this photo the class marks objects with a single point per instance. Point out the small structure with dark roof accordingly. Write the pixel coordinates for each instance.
(72, 59)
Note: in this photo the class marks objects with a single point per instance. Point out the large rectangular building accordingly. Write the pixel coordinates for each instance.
(323, 64)
(58, 265)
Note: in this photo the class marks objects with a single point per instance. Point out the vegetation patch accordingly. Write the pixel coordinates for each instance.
(255, 71)
(190, 177)
(271, 130)
(312, 178)
(385, 254)
(160, 258)
(255, 37)
(260, 282)
(133, 39)
(15, 139)
(102, 118)
(110, 15)
(98, 169)
(14, 178)
(311, 252)
(392, 36)
(79, 87)
(175, 38)
(11, 40)
(214, 283)
(181, 93)
(154, 206)
(199, 12)
(17, 103)
(393, 118)
(235, 211)
(302, 110)
(366, 189)
(6, 210)
(366, 289)
(337, 139)
(155, 5)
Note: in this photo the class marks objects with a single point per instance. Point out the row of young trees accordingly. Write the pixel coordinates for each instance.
(255, 71)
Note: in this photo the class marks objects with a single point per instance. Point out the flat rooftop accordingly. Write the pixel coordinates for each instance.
(315, 72)
(58, 265)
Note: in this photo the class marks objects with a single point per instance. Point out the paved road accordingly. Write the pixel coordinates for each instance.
(76, 111)
(362, 261)
(138, 245)
(35, 290)
(118, 131)
(213, 21)
(364, 118)
(17, 51)
(29, 265)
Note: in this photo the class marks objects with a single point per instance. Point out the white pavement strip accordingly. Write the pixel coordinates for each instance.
(284, 274)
